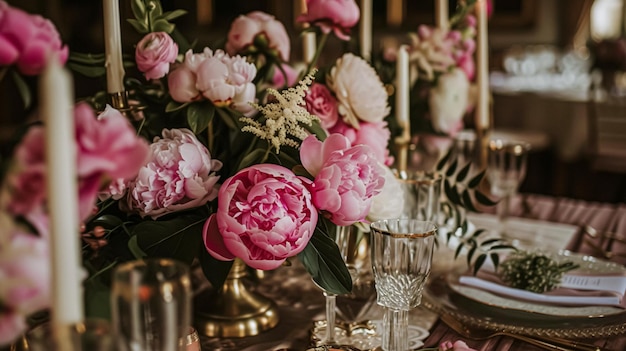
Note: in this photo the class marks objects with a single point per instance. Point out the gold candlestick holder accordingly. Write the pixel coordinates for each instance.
(402, 144)
(119, 101)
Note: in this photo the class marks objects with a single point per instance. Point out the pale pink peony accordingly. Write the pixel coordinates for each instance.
(246, 28)
(361, 94)
(27, 40)
(12, 325)
(179, 175)
(375, 135)
(388, 203)
(448, 101)
(321, 103)
(346, 177)
(336, 15)
(216, 76)
(265, 215)
(458, 345)
(154, 54)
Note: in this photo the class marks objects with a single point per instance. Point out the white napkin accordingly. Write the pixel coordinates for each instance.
(575, 289)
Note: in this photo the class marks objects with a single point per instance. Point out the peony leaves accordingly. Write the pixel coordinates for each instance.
(322, 259)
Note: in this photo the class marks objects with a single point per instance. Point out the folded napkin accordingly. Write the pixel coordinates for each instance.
(580, 289)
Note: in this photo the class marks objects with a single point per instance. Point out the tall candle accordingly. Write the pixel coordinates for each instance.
(309, 39)
(56, 95)
(402, 85)
(402, 106)
(482, 67)
(113, 47)
(441, 14)
(365, 29)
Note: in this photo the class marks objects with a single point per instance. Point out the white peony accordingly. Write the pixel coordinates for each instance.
(388, 203)
(449, 100)
(360, 93)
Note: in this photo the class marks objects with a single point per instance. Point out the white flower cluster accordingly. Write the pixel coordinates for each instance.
(283, 117)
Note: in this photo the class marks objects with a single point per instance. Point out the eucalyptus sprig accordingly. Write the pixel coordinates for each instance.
(533, 271)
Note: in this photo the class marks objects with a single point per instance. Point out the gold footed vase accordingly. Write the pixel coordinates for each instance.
(234, 310)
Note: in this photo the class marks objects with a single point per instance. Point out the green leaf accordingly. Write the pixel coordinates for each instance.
(444, 160)
(251, 158)
(322, 259)
(228, 117)
(451, 192)
(87, 58)
(175, 106)
(467, 201)
(463, 172)
(495, 258)
(171, 15)
(140, 27)
(483, 199)
(479, 262)
(22, 88)
(134, 248)
(214, 270)
(490, 241)
(458, 250)
(452, 168)
(316, 128)
(87, 71)
(139, 9)
(97, 299)
(478, 233)
(161, 25)
(475, 181)
(178, 237)
(199, 116)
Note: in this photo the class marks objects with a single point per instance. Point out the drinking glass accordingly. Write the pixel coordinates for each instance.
(506, 169)
(422, 194)
(401, 254)
(151, 305)
(90, 335)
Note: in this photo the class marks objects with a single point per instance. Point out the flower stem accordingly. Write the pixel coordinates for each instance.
(318, 52)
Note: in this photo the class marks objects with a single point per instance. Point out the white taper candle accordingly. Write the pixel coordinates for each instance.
(482, 67)
(365, 29)
(441, 14)
(113, 46)
(56, 96)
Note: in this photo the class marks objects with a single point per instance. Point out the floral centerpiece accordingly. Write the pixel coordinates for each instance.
(227, 152)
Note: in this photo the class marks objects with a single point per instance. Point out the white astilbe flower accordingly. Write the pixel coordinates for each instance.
(283, 117)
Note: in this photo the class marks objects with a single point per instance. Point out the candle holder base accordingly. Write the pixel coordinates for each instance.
(234, 310)
(119, 101)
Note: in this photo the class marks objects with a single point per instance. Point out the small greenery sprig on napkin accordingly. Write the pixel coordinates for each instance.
(533, 271)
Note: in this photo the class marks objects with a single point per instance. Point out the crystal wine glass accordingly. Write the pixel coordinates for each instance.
(401, 253)
(506, 169)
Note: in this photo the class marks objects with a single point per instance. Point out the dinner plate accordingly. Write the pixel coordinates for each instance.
(483, 309)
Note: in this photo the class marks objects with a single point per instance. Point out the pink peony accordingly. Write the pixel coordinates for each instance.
(179, 175)
(458, 345)
(246, 28)
(375, 135)
(346, 177)
(12, 325)
(336, 15)
(108, 149)
(154, 54)
(321, 103)
(182, 85)
(265, 215)
(288, 72)
(26, 40)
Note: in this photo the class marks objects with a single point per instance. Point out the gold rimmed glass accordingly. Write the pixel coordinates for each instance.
(401, 253)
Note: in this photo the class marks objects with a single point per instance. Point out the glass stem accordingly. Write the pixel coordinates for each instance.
(503, 213)
(330, 317)
(396, 330)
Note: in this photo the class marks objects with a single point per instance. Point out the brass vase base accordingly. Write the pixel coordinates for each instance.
(234, 310)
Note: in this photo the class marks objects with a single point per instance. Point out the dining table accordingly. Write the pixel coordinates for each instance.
(593, 229)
